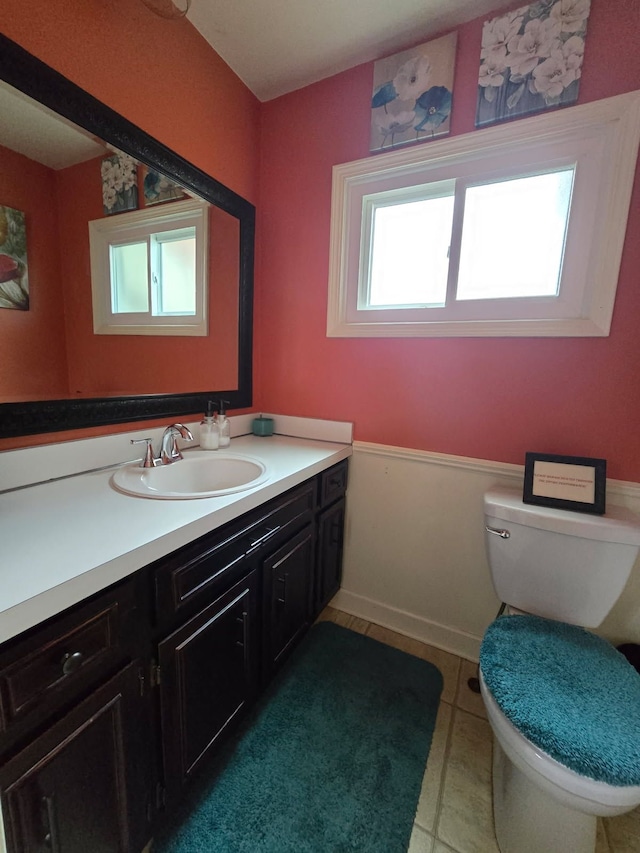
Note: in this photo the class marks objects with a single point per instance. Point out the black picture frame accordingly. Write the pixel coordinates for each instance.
(540, 481)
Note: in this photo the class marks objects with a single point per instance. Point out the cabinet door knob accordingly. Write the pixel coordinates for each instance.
(283, 581)
(51, 838)
(72, 662)
(242, 620)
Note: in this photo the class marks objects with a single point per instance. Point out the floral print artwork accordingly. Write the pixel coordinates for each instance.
(411, 98)
(119, 183)
(531, 59)
(157, 188)
(14, 279)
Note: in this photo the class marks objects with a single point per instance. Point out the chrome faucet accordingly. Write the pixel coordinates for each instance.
(169, 450)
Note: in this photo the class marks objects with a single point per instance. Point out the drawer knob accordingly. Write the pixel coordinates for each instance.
(72, 662)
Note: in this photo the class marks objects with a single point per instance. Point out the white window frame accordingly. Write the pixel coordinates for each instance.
(131, 227)
(600, 139)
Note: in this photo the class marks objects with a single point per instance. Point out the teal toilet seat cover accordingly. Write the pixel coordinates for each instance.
(569, 692)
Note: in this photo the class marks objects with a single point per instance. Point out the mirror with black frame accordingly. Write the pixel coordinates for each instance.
(55, 372)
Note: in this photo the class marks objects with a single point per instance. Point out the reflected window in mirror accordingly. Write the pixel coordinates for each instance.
(150, 272)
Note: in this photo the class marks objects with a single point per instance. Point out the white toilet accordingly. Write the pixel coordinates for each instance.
(563, 704)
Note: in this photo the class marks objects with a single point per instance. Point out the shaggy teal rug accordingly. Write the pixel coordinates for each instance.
(331, 760)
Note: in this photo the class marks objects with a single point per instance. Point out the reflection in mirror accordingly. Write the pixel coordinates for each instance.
(50, 170)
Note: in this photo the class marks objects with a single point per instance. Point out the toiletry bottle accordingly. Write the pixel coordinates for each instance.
(209, 432)
(224, 426)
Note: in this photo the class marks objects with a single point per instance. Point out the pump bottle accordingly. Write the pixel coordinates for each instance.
(209, 431)
(224, 426)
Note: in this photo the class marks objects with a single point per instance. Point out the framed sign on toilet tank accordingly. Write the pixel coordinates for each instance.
(575, 483)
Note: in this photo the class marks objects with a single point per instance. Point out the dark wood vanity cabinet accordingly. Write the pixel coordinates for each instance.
(208, 677)
(80, 785)
(211, 631)
(288, 585)
(330, 534)
(329, 554)
(303, 575)
(108, 710)
(75, 742)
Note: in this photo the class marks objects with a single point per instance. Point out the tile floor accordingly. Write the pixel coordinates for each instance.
(454, 811)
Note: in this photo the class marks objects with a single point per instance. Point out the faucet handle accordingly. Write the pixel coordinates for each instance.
(147, 460)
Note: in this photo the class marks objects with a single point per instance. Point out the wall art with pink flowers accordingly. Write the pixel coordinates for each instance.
(411, 99)
(531, 59)
(14, 276)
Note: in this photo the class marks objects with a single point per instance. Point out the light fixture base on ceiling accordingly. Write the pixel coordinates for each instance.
(168, 8)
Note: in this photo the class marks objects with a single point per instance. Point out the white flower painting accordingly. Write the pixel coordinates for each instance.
(412, 92)
(531, 59)
(119, 183)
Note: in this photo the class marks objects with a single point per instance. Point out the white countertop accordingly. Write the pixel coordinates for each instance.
(64, 540)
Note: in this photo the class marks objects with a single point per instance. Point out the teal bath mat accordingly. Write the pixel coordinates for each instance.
(331, 761)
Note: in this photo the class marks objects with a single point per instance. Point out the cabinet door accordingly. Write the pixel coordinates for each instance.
(74, 789)
(329, 556)
(288, 576)
(208, 675)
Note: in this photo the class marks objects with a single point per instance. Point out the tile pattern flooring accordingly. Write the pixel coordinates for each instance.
(454, 811)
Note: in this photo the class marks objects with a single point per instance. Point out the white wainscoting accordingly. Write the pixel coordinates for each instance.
(414, 546)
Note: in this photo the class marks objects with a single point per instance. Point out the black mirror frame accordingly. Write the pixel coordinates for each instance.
(25, 72)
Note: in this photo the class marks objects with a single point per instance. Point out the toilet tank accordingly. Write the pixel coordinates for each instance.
(563, 565)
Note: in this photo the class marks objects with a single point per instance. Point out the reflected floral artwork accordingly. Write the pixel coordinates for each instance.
(531, 59)
(157, 188)
(411, 99)
(119, 183)
(14, 279)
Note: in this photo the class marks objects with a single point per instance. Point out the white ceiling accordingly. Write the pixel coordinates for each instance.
(274, 46)
(40, 134)
(277, 46)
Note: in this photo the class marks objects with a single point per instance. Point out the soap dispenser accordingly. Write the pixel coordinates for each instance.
(209, 430)
(224, 426)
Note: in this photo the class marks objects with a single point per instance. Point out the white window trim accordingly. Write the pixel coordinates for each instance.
(103, 232)
(607, 135)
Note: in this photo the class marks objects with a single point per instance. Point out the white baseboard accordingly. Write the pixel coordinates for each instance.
(442, 637)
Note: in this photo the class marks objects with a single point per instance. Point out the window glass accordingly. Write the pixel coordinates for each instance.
(513, 237)
(174, 273)
(129, 278)
(410, 253)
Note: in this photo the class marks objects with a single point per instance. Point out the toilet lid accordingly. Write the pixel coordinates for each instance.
(569, 692)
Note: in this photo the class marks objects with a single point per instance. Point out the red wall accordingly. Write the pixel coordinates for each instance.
(485, 398)
(33, 362)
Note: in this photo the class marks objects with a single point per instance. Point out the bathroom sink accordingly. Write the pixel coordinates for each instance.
(200, 474)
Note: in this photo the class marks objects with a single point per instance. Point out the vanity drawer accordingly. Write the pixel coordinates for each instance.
(284, 517)
(333, 483)
(189, 579)
(53, 665)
